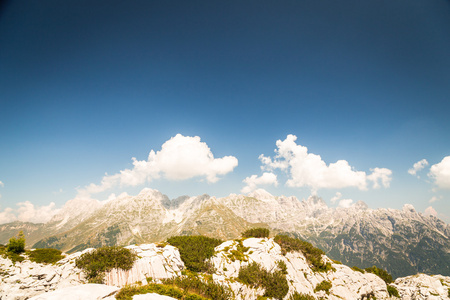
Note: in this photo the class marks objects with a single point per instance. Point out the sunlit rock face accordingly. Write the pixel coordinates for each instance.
(63, 280)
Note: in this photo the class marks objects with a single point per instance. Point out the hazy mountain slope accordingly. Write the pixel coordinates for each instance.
(402, 241)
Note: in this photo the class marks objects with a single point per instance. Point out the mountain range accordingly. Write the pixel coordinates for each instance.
(404, 242)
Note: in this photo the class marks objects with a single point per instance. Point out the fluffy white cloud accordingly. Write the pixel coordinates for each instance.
(430, 211)
(345, 203)
(308, 169)
(253, 181)
(28, 212)
(336, 197)
(418, 166)
(440, 173)
(380, 174)
(180, 158)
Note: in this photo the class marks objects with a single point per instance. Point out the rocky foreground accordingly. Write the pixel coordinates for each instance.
(29, 280)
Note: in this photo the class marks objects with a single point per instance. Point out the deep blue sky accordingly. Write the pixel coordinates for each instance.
(86, 85)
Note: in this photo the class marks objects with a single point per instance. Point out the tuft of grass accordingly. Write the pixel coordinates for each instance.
(46, 256)
(313, 255)
(104, 259)
(275, 283)
(301, 296)
(258, 232)
(392, 290)
(194, 250)
(204, 287)
(323, 286)
(355, 268)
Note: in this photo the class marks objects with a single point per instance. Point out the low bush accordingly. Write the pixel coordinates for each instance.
(392, 290)
(46, 256)
(258, 232)
(275, 283)
(313, 255)
(383, 274)
(323, 286)
(239, 252)
(127, 293)
(301, 296)
(104, 259)
(355, 268)
(194, 250)
(16, 245)
(205, 288)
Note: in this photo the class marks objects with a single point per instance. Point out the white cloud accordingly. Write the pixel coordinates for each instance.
(418, 166)
(27, 212)
(430, 211)
(253, 181)
(440, 173)
(336, 197)
(180, 158)
(308, 169)
(380, 174)
(345, 203)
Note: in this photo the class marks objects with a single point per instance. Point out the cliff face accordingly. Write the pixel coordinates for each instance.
(26, 279)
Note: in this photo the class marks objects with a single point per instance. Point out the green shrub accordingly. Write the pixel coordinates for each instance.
(355, 268)
(16, 245)
(275, 283)
(392, 290)
(104, 259)
(383, 274)
(258, 232)
(301, 296)
(205, 288)
(323, 286)
(313, 255)
(239, 252)
(194, 250)
(46, 256)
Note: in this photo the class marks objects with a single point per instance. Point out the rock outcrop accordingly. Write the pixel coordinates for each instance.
(63, 280)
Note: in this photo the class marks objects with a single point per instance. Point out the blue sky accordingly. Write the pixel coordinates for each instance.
(87, 85)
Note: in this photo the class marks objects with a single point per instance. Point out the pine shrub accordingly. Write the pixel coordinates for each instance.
(104, 259)
(195, 250)
(301, 296)
(383, 274)
(392, 290)
(46, 256)
(258, 232)
(313, 255)
(16, 245)
(323, 286)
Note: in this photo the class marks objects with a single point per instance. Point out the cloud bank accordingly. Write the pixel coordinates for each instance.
(309, 170)
(180, 158)
(28, 212)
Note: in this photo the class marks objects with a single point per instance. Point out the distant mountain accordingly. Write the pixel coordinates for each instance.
(402, 241)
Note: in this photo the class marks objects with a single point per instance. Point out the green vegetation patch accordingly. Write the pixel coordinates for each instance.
(301, 296)
(392, 290)
(275, 284)
(195, 250)
(383, 274)
(313, 255)
(258, 232)
(205, 287)
(104, 259)
(323, 286)
(46, 256)
(14, 248)
(127, 293)
(355, 268)
(238, 253)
